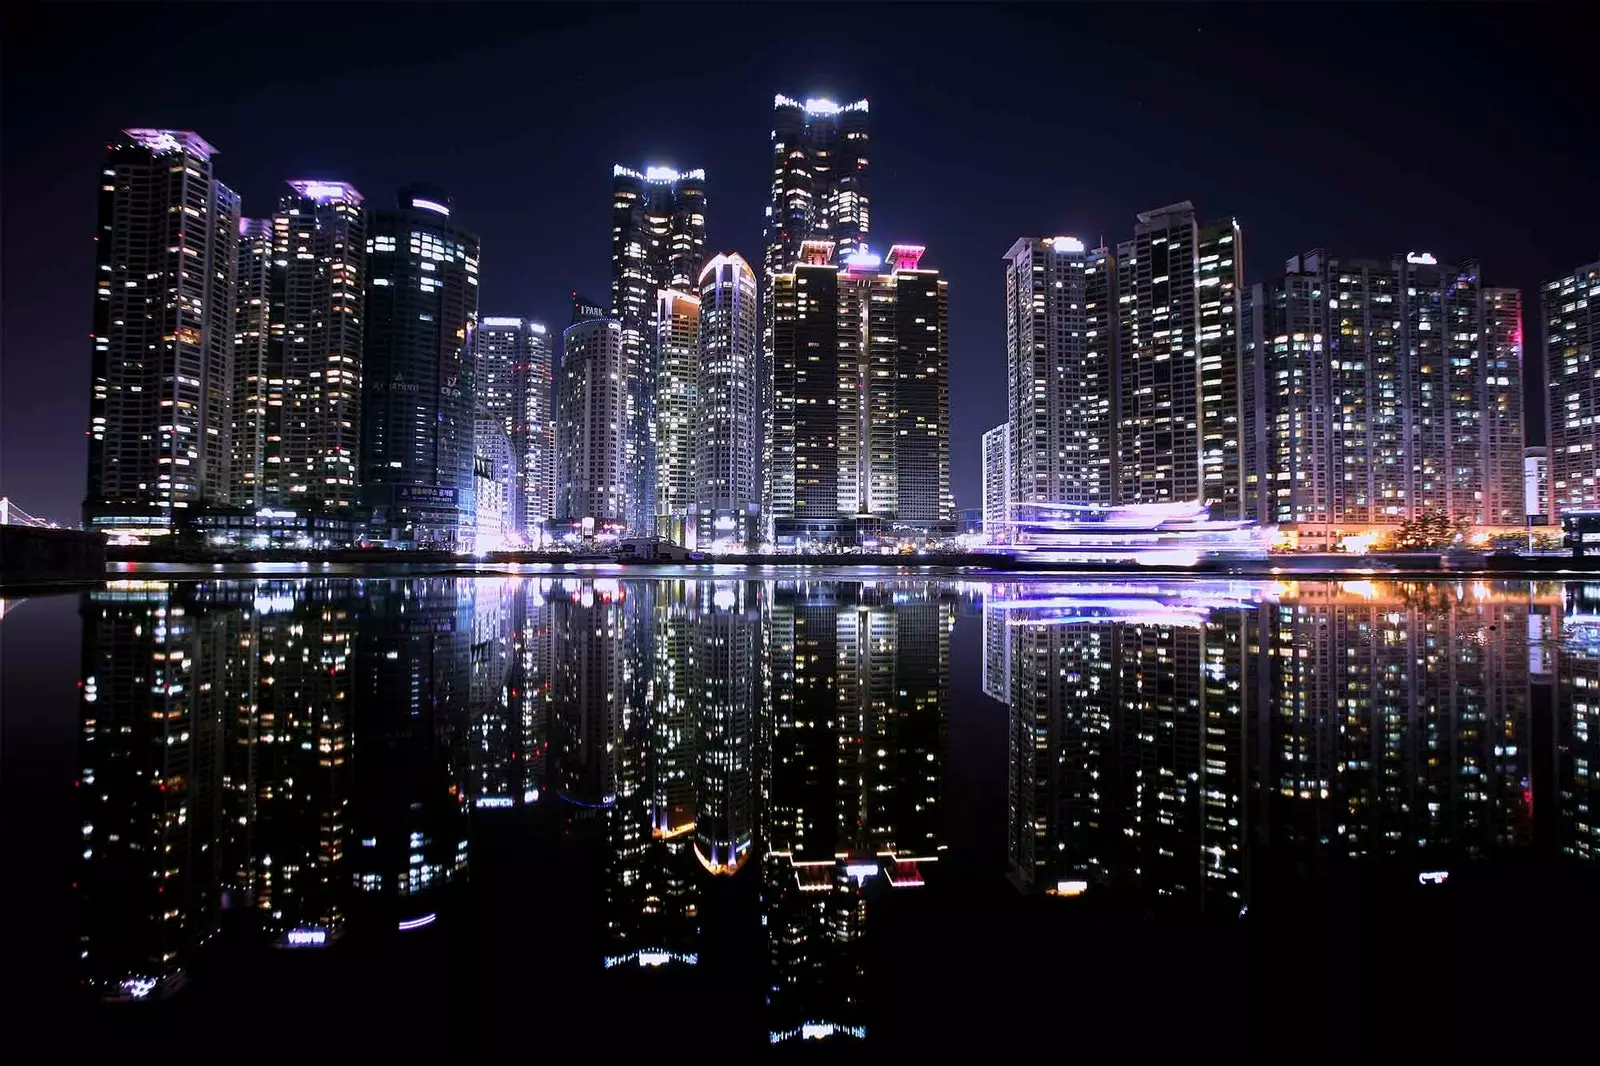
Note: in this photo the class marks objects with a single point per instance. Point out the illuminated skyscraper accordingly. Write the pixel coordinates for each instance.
(677, 347)
(860, 438)
(591, 420)
(819, 192)
(1569, 321)
(819, 179)
(162, 373)
(726, 499)
(315, 354)
(514, 386)
(658, 236)
(422, 307)
(1356, 367)
(494, 477)
(1059, 366)
(1178, 361)
(252, 341)
(997, 482)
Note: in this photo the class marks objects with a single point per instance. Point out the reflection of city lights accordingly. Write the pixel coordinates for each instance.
(417, 923)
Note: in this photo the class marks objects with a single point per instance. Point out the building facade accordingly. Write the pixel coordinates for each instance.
(860, 372)
(677, 347)
(819, 191)
(1536, 485)
(315, 352)
(417, 428)
(494, 474)
(591, 437)
(1059, 372)
(513, 363)
(252, 341)
(658, 236)
(162, 368)
(1382, 390)
(1569, 320)
(819, 179)
(997, 483)
(727, 501)
(1177, 382)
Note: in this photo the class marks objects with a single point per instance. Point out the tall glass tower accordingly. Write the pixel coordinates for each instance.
(422, 307)
(819, 192)
(658, 237)
(514, 371)
(160, 408)
(726, 493)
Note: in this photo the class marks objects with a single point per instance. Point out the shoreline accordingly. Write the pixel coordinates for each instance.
(126, 563)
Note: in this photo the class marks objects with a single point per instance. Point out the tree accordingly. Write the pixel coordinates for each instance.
(1427, 531)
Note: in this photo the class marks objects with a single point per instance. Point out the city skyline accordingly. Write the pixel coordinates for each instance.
(905, 196)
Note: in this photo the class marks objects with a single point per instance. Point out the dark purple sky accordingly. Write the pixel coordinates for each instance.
(1364, 128)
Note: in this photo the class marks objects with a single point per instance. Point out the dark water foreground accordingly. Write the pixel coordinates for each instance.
(1298, 820)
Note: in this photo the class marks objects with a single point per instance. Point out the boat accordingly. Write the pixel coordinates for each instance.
(1163, 534)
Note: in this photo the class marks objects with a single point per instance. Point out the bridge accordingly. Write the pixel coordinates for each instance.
(37, 551)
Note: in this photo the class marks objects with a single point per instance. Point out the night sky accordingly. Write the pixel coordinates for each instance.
(1366, 129)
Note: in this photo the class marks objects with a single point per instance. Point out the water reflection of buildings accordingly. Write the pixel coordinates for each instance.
(1159, 735)
(412, 682)
(218, 750)
(854, 733)
(151, 786)
(685, 795)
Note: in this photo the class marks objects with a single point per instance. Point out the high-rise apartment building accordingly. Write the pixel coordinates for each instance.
(252, 345)
(1177, 381)
(1382, 390)
(1569, 326)
(860, 373)
(591, 430)
(997, 483)
(819, 179)
(514, 388)
(417, 425)
(658, 236)
(315, 351)
(162, 373)
(1060, 346)
(727, 501)
(677, 348)
(819, 191)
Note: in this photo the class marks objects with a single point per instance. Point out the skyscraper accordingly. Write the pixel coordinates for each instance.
(315, 353)
(1569, 320)
(658, 236)
(591, 429)
(1382, 389)
(162, 380)
(997, 482)
(819, 191)
(514, 387)
(860, 371)
(726, 499)
(422, 307)
(1177, 391)
(252, 342)
(1059, 372)
(819, 179)
(677, 347)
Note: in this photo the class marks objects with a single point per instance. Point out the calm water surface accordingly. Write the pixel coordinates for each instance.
(726, 816)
